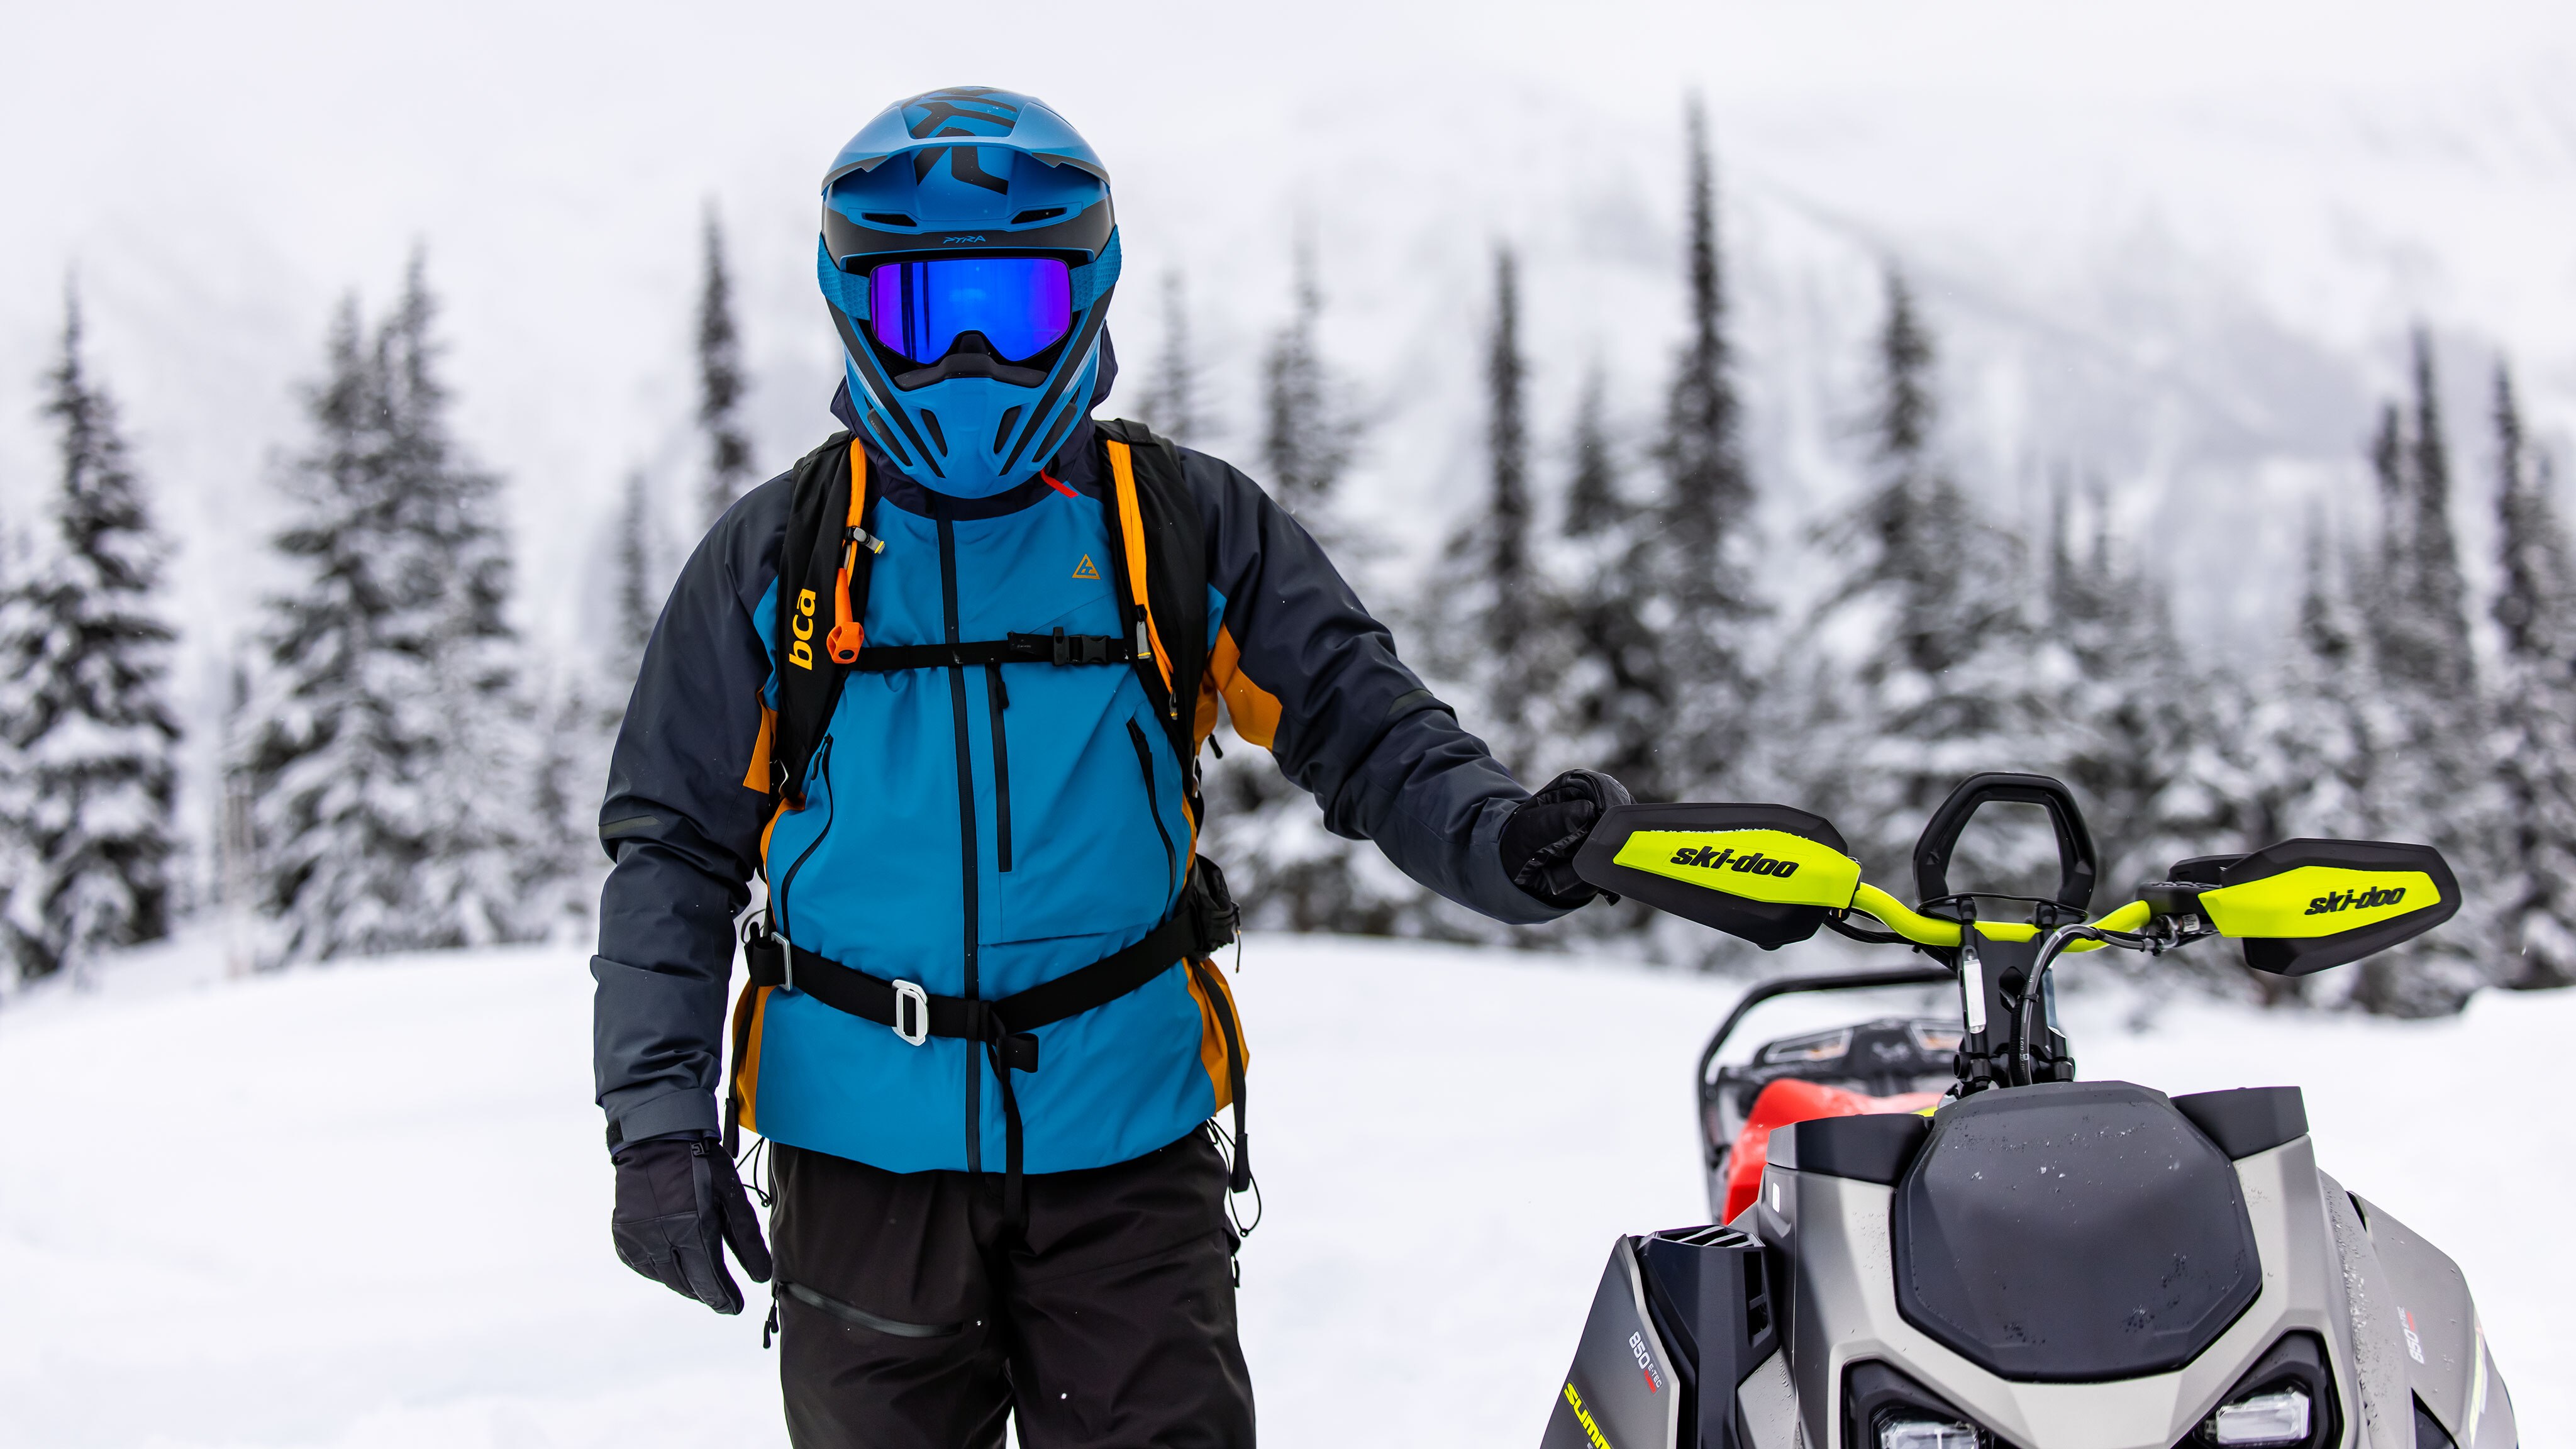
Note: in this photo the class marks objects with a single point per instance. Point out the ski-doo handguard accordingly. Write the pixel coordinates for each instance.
(1767, 874)
(2305, 905)
(1773, 875)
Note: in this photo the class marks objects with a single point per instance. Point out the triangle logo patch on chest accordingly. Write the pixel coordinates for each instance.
(1086, 569)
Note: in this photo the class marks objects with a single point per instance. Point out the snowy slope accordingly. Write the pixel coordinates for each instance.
(366, 1206)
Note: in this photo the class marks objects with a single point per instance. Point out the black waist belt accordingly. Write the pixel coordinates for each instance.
(1059, 648)
(1202, 922)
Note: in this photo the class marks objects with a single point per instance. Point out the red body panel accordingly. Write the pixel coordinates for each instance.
(1790, 1100)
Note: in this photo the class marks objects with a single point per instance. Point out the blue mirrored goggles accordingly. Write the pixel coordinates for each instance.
(1019, 305)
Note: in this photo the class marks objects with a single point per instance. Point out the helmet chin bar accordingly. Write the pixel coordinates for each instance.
(976, 431)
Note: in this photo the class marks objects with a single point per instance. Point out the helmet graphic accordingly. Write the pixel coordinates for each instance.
(968, 253)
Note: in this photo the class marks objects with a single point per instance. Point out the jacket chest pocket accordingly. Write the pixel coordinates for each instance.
(1097, 838)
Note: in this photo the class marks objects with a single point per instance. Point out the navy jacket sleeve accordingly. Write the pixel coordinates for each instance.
(1306, 670)
(684, 830)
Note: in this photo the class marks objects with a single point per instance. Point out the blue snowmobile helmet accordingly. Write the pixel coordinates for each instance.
(968, 253)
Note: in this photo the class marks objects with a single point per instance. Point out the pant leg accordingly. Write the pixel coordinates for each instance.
(1121, 1308)
(906, 1351)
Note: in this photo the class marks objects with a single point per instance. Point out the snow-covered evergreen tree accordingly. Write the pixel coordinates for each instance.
(720, 380)
(2430, 779)
(388, 756)
(561, 859)
(1694, 561)
(640, 591)
(1483, 623)
(1173, 405)
(1945, 675)
(2534, 749)
(2146, 732)
(1288, 871)
(1309, 432)
(86, 714)
(20, 629)
(1613, 707)
(237, 884)
(2310, 737)
(481, 871)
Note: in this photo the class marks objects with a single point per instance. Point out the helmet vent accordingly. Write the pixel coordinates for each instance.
(1002, 434)
(1055, 434)
(885, 438)
(888, 218)
(938, 439)
(1037, 213)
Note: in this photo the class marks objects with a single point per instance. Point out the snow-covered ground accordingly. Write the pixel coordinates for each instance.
(367, 1205)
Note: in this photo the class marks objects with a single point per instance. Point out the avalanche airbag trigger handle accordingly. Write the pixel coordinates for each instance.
(2077, 864)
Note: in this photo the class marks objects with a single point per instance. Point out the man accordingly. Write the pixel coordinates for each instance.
(943, 687)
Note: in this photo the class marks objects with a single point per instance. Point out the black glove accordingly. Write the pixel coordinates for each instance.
(1545, 830)
(678, 1201)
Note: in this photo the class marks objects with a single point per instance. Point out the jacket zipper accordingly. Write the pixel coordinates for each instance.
(998, 697)
(832, 807)
(1154, 807)
(965, 836)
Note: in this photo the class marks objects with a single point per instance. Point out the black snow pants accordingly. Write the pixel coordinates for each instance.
(906, 1321)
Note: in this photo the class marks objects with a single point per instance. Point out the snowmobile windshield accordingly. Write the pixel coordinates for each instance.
(1019, 305)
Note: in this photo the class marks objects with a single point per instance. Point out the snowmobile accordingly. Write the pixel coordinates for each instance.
(1933, 1235)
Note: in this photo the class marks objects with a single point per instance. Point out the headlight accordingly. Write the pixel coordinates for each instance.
(2278, 1417)
(2286, 1401)
(1883, 1409)
(1904, 1433)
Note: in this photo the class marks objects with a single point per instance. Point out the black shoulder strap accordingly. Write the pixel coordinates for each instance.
(809, 563)
(1167, 518)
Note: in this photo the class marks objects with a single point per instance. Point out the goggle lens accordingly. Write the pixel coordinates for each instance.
(1021, 305)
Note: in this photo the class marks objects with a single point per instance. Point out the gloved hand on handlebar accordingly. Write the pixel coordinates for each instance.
(678, 1203)
(1544, 831)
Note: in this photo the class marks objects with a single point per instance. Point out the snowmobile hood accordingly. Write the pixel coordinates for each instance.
(2072, 1232)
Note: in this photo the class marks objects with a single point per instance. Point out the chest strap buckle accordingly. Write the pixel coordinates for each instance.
(913, 1003)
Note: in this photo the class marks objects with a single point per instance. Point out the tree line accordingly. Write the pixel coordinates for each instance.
(1613, 615)
(399, 774)
(396, 773)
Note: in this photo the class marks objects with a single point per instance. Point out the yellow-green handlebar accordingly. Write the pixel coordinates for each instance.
(2131, 917)
(1925, 930)
(1897, 916)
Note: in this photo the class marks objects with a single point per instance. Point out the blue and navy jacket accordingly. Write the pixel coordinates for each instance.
(980, 841)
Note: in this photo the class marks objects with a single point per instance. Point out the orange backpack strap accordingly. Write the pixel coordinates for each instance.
(847, 635)
(1160, 572)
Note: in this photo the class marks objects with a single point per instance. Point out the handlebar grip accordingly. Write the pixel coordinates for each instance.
(2077, 864)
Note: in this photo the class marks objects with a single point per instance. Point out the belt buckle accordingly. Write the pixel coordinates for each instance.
(907, 991)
